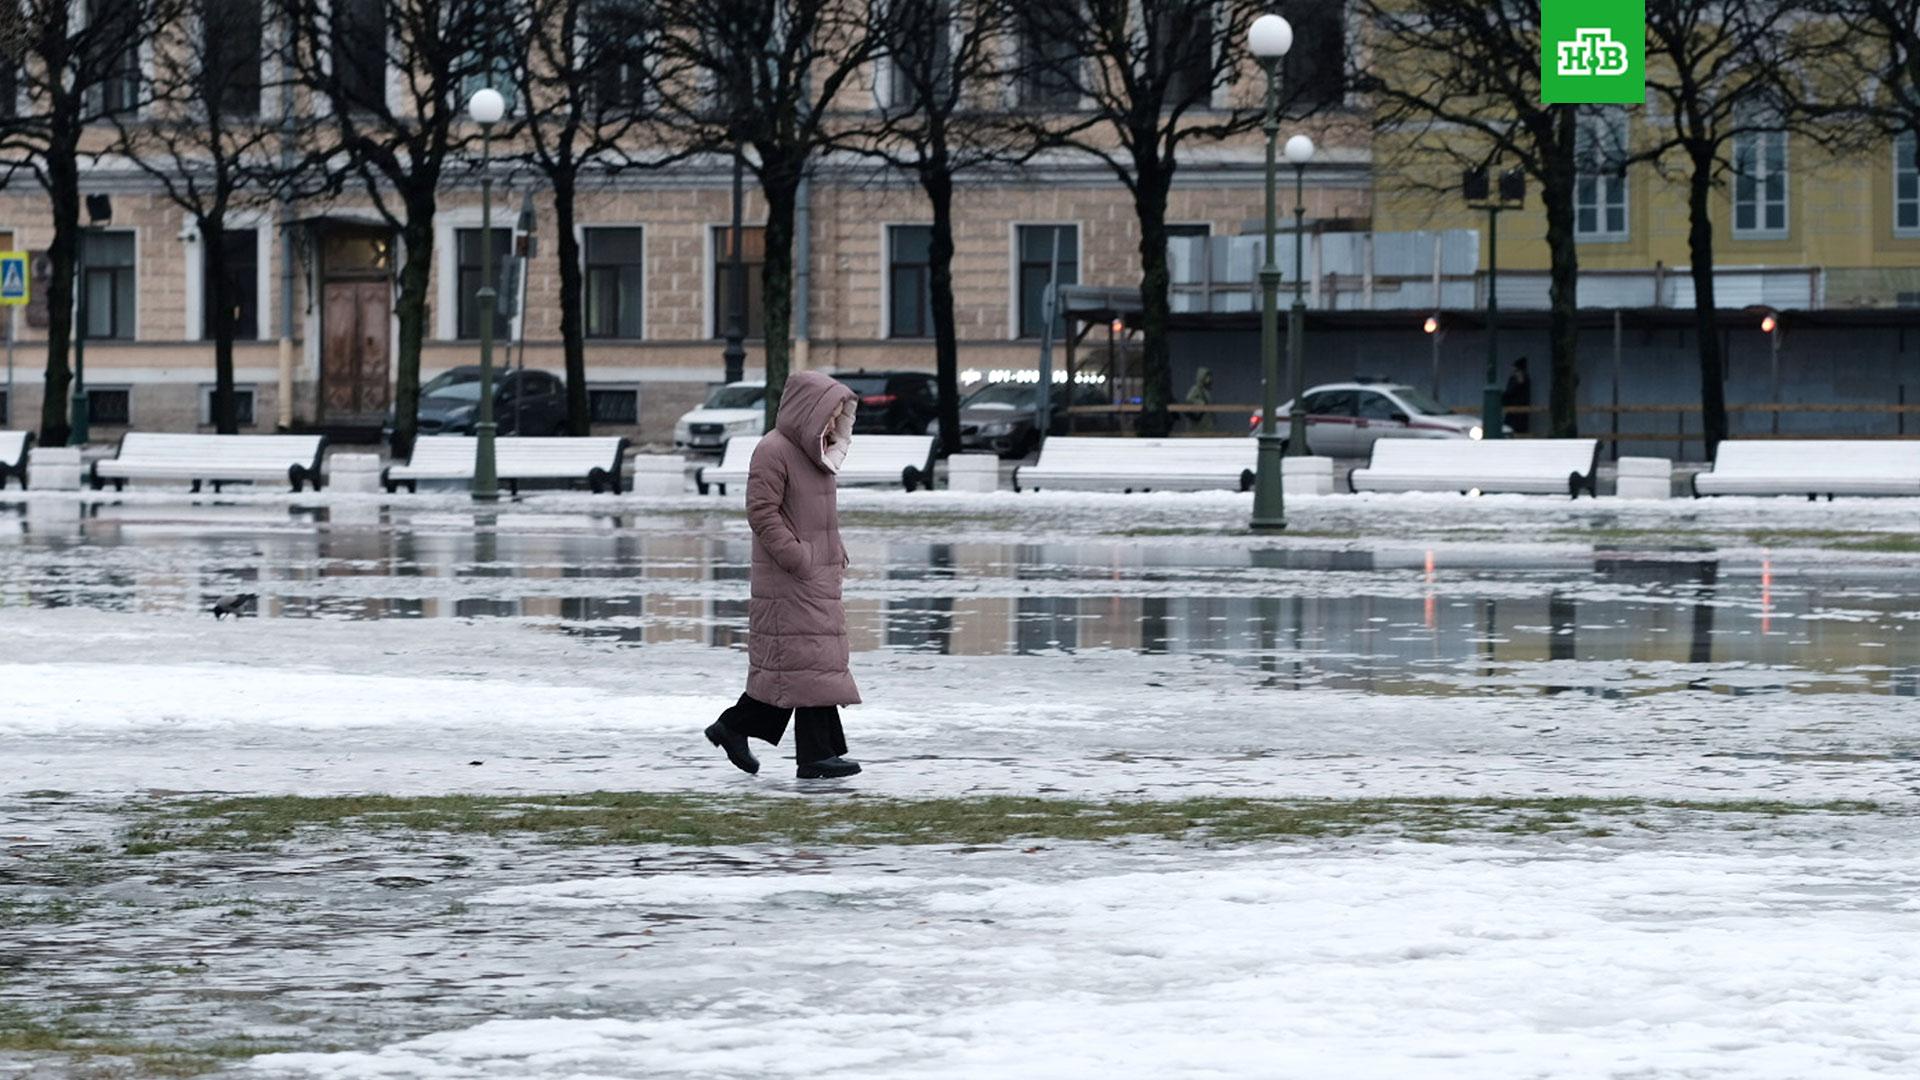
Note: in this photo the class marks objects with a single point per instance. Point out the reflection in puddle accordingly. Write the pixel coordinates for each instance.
(1387, 618)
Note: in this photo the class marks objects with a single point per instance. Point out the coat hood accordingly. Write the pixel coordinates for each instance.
(808, 403)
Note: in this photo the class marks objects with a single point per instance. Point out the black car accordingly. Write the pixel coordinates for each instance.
(524, 403)
(893, 402)
(1000, 418)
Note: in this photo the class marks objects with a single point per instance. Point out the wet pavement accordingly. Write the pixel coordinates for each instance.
(1073, 648)
(1384, 616)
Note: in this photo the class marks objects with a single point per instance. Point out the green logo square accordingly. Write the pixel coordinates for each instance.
(1593, 51)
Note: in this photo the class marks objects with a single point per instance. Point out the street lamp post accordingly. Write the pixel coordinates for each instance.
(79, 414)
(486, 107)
(1770, 326)
(1508, 195)
(1299, 152)
(733, 357)
(1268, 39)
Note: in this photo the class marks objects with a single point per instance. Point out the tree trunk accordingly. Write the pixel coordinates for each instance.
(1556, 192)
(1713, 389)
(781, 190)
(410, 309)
(63, 191)
(573, 325)
(937, 179)
(1156, 360)
(219, 305)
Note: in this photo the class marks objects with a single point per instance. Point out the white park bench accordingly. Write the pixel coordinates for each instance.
(872, 460)
(14, 446)
(1195, 464)
(595, 462)
(1529, 466)
(1812, 467)
(213, 459)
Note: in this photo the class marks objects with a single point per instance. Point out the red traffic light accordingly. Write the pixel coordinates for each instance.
(1432, 325)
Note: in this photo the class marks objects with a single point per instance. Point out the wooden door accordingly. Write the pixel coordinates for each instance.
(353, 353)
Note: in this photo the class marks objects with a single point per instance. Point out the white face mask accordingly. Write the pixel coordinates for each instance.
(837, 436)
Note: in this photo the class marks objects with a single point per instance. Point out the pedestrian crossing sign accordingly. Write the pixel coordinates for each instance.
(13, 277)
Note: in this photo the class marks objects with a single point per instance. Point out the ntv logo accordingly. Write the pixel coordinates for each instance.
(1592, 52)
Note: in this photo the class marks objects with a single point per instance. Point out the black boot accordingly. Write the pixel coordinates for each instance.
(827, 768)
(735, 744)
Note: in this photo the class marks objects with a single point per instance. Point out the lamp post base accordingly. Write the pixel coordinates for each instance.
(1269, 495)
(1493, 412)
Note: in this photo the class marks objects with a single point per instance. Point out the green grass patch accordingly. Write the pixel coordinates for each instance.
(114, 1054)
(621, 818)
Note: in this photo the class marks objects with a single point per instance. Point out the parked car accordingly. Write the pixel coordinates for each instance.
(733, 409)
(1002, 418)
(892, 402)
(1344, 419)
(524, 403)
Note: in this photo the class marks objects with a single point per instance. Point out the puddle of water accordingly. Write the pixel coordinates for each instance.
(1389, 617)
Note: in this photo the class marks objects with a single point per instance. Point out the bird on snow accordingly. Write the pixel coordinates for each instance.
(233, 605)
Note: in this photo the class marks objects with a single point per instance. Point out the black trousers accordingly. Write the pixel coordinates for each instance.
(816, 729)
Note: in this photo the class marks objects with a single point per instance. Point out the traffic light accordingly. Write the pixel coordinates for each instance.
(1768, 324)
(1432, 325)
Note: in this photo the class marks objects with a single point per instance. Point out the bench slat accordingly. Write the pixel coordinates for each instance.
(1523, 466)
(593, 461)
(1812, 467)
(871, 460)
(1093, 464)
(215, 459)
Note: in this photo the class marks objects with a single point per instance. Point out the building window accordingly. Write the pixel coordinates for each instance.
(110, 406)
(909, 281)
(230, 57)
(919, 51)
(1600, 180)
(1906, 187)
(1050, 67)
(616, 60)
(614, 405)
(360, 52)
(615, 267)
(1760, 184)
(496, 56)
(9, 88)
(470, 273)
(242, 405)
(242, 249)
(1183, 46)
(108, 284)
(1314, 73)
(753, 256)
(1035, 251)
(114, 30)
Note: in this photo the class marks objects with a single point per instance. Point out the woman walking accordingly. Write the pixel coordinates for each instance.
(796, 628)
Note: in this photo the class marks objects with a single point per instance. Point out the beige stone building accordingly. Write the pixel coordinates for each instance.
(655, 253)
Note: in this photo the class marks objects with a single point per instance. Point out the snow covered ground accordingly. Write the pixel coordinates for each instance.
(1091, 647)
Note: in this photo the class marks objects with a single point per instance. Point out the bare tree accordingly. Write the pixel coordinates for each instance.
(208, 147)
(79, 68)
(392, 78)
(1458, 81)
(594, 72)
(762, 76)
(936, 122)
(1719, 75)
(1131, 83)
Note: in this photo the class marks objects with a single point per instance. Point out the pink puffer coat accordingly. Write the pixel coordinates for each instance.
(797, 629)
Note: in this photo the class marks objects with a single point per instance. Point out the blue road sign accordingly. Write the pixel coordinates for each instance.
(13, 277)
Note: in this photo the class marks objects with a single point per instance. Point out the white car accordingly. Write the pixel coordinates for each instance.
(734, 409)
(1344, 419)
